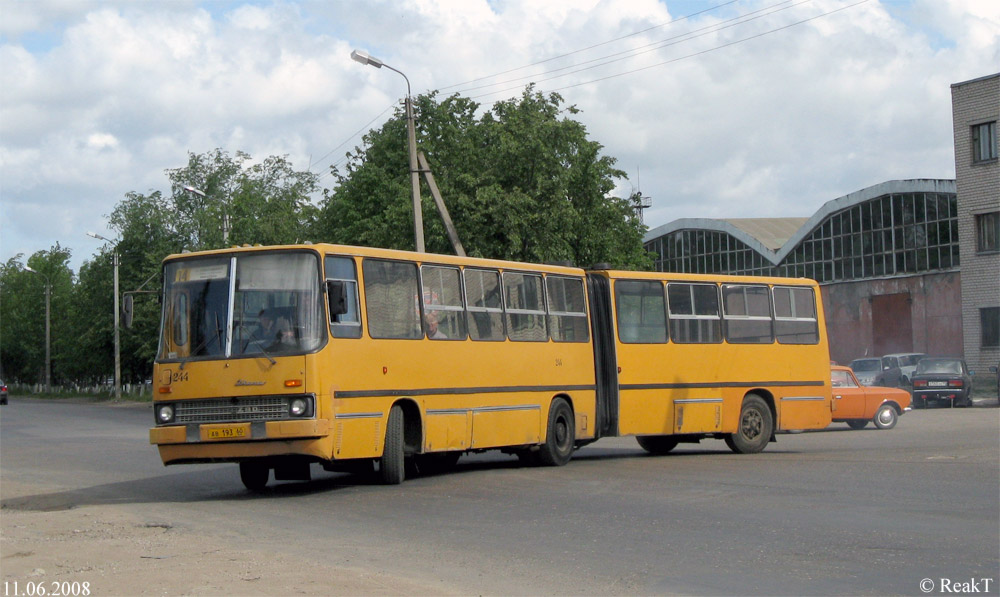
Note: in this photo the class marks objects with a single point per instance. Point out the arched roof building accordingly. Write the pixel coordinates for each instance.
(887, 258)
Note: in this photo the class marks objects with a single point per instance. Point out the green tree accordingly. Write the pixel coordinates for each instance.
(265, 203)
(521, 182)
(22, 315)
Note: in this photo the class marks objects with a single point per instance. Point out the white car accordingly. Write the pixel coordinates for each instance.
(905, 361)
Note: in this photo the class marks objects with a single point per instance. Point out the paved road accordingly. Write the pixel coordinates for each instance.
(835, 512)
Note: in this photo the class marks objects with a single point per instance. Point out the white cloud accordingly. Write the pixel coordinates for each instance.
(118, 92)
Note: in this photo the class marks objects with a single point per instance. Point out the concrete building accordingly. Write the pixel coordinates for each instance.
(887, 258)
(975, 112)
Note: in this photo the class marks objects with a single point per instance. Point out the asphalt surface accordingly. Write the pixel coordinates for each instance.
(834, 512)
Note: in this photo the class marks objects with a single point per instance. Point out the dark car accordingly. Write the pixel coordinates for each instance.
(3, 392)
(942, 380)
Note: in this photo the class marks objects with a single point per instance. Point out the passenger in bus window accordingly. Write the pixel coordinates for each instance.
(433, 331)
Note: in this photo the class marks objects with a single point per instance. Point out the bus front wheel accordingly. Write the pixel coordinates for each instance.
(558, 446)
(755, 427)
(254, 475)
(392, 464)
(656, 444)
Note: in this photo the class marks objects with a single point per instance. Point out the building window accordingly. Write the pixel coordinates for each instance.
(989, 322)
(988, 232)
(984, 142)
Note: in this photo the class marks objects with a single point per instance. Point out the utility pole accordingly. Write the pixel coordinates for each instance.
(48, 344)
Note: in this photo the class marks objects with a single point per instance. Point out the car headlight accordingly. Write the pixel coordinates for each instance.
(165, 413)
(299, 407)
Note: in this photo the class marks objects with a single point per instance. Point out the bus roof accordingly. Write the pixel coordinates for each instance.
(724, 278)
(437, 258)
(350, 250)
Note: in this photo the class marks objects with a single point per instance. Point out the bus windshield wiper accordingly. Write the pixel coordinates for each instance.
(257, 342)
(218, 334)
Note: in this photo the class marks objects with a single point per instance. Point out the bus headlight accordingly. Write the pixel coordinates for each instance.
(165, 413)
(299, 407)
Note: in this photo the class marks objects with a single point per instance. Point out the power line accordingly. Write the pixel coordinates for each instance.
(670, 41)
(726, 45)
(591, 47)
(326, 171)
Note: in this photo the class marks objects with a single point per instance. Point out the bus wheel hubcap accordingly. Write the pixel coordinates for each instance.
(752, 424)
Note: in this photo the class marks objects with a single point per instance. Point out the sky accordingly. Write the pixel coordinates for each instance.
(713, 108)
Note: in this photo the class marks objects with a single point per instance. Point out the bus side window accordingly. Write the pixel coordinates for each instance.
(567, 309)
(180, 317)
(482, 299)
(444, 313)
(747, 314)
(642, 312)
(524, 305)
(694, 313)
(348, 324)
(391, 299)
(795, 318)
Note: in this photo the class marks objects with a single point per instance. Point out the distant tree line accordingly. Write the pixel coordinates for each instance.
(522, 181)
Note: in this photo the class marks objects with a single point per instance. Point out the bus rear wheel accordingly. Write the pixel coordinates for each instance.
(392, 464)
(755, 427)
(561, 435)
(656, 444)
(254, 475)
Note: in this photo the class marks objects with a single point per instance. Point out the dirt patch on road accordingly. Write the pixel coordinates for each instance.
(117, 552)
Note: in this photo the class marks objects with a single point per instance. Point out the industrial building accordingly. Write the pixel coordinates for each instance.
(904, 266)
(887, 259)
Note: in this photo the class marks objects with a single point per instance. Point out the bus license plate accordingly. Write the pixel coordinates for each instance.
(227, 433)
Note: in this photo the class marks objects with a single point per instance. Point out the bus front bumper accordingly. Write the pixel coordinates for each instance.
(238, 432)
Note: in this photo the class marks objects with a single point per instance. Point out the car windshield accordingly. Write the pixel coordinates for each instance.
(939, 366)
(866, 365)
(246, 304)
(909, 359)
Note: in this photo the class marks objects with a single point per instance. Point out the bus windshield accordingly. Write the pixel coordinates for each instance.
(271, 305)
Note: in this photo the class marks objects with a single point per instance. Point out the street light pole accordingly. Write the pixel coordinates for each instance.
(411, 134)
(118, 358)
(48, 352)
(225, 213)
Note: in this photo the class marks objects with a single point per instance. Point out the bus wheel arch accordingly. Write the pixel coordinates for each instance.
(755, 426)
(560, 433)
(413, 428)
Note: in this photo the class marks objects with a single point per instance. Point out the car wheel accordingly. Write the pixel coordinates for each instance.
(886, 417)
(857, 423)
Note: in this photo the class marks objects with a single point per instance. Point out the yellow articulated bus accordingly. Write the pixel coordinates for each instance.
(364, 359)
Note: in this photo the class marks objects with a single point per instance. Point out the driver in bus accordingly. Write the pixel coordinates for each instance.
(271, 331)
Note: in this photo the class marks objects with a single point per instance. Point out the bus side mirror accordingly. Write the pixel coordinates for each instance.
(128, 309)
(336, 291)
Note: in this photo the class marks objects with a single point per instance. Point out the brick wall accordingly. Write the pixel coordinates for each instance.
(976, 102)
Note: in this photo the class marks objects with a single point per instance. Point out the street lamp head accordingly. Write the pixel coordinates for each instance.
(99, 237)
(28, 268)
(365, 58)
(191, 189)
